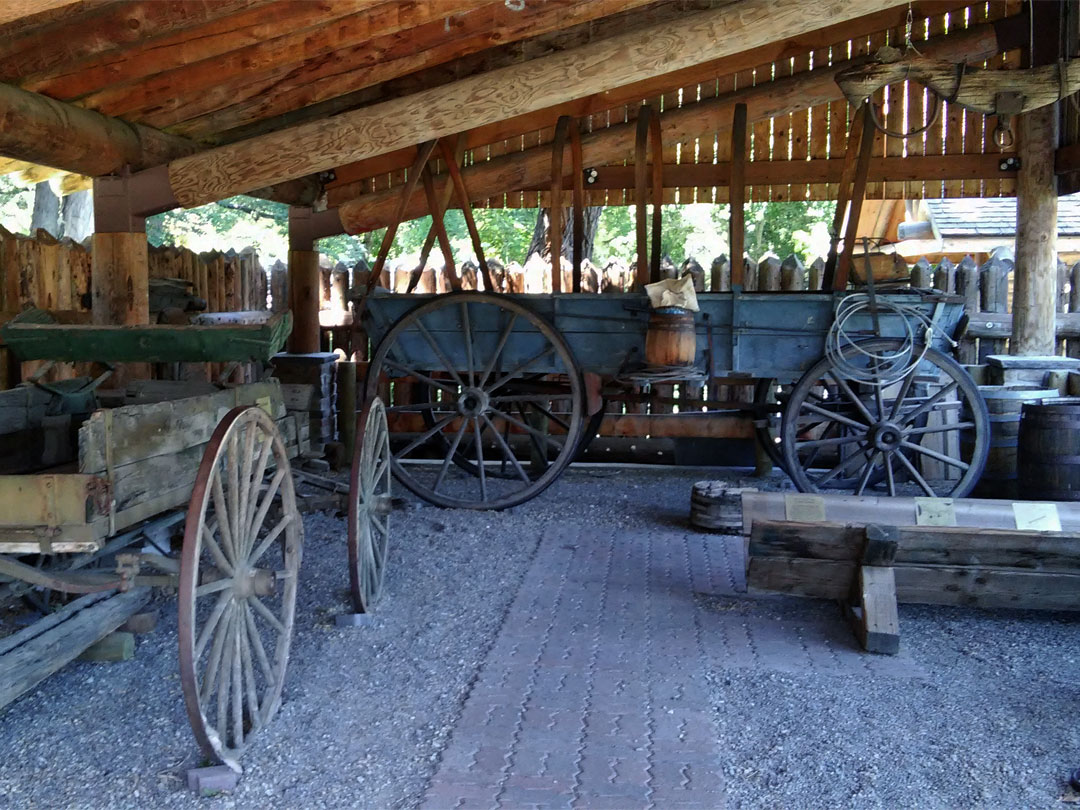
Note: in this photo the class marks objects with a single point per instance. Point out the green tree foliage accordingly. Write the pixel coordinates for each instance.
(16, 205)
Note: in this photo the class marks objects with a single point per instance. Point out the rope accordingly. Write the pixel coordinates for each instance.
(881, 369)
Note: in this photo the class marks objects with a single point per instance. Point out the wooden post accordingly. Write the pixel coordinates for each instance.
(120, 267)
(1035, 283)
(346, 405)
(305, 283)
(737, 195)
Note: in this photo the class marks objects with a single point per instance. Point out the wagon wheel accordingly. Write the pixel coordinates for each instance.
(899, 439)
(507, 410)
(238, 577)
(768, 409)
(369, 507)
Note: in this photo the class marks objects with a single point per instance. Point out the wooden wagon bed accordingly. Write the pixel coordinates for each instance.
(133, 462)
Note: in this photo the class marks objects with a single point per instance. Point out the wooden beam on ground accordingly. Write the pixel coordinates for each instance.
(37, 129)
(531, 168)
(499, 94)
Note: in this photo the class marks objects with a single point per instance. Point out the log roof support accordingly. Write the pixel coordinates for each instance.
(37, 129)
(531, 168)
(510, 91)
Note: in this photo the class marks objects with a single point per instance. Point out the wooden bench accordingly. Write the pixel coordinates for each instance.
(871, 568)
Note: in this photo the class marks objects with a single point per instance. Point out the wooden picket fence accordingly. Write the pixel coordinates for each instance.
(43, 272)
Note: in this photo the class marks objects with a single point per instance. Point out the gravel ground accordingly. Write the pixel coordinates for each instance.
(987, 720)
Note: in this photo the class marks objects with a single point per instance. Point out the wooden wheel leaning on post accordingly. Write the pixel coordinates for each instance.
(369, 507)
(238, 578)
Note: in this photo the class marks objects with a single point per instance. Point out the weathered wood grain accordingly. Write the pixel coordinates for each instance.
(503, 93)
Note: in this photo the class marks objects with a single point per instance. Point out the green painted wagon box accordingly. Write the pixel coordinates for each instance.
(34, 335)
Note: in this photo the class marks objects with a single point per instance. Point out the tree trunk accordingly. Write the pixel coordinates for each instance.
(77, 215)
(46, 210)
(541, 241)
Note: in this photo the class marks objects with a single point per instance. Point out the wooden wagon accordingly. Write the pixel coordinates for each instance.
(211, 460)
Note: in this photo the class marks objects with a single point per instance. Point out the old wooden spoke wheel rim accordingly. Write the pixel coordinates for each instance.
(369, 507)
(498, 403)
(903, 438)
(238, 579)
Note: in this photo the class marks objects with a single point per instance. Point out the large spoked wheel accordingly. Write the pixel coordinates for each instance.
(903, 438)
(497, 409)
(238, 578)
(369, 507)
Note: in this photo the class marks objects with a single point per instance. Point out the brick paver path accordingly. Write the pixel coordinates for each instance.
(594, 693)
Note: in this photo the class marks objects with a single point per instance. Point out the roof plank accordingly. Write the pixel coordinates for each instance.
(103, 28)
(503, 93)
(190, 89)
(368, 64)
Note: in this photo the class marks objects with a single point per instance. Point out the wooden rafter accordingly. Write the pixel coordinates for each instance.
(40, 130)
(515, 90)
(264, 71)
(629, 94)
(530, 168)
(103, 27)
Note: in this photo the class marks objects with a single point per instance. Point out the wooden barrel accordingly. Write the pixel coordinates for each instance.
(1049, 453)
(670, 340)
(1004, 403)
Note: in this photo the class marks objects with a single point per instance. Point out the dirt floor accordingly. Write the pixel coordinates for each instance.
(978, 710)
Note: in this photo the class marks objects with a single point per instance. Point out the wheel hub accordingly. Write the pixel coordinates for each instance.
(886, 436)
(472, 402)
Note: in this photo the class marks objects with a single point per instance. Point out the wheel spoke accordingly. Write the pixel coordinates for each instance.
(215, 550)
(249, 678)
(245, 490)
(237, 691)
(256, 479)
(212, 587)
(439, 353)
(423, 437)
(252, 530)
(212, 622)
(446, 461)
(231, 465)
(409, 371)
(843, 466)
(223, 518)
(478, 432)
(864, 479)
(264, 611)
(915, 474)
(539, 434)
(260, 651)
(507, 452)
(833, 416)
(901, 395)
(213, 666)
(842, 384)
(503, 336)
(519, 369)
(889, 475)
(561, 422)
(270, 538)
(225, 676)
(939, 428)
(909, 418)
(838, 440)
(934, 454)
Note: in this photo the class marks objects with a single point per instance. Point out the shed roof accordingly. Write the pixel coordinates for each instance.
(994, 217)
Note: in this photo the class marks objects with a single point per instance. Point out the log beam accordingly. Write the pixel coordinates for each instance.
(531, 168)
(37, 129)
(499, 94)
(1035, 280)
